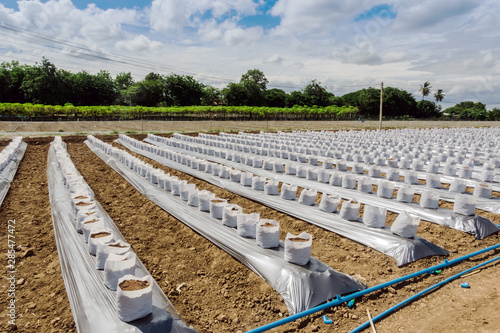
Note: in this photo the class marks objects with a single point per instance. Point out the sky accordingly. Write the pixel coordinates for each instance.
(345, 45)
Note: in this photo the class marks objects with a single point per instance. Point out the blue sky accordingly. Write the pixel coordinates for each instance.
(345, 45)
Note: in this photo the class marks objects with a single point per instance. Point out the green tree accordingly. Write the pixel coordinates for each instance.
(124, 81)
(235, 94)
(182, 90)
(425, 89)
(427, 109)
(439, 95)
(317, 94)
(296, 98)
(11, 78)
(256, 76)
(211, 96)
(276, 98)
(149, 92)
(41, 84)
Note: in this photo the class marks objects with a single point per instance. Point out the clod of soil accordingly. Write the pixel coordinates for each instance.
(217, 201)
(131, 285)
(267, 224)
(100, 234)
(117, 245)
(82, 204)
(91, 221)
(298, 239)
(80, 197)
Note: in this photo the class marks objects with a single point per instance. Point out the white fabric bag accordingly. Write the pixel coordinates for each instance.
(301, 171)
(336, 179)
(324, 176)
(247, 224)
(457, 186)
(349, 181)
(230, 215)
(258, 183)
(271, 187)
(487, 176)
(429, 199)
(465, 172)
(465, 205)
(411, 177)
(374, 171)
(450, 170)
(217, 207)
(193, 198)
(246, 178)
(329, 203)
(433, 181)
(392, 174)
(105, 249)
(432, 168)
(204, 198)
(134, 303)
(288, 191)
(350, 210)
(405, 225)
(385, 189)
(99, 235)
(365, 184)
(374, 217)
(236, 176)
(186, 189)
(298, 248)
(290, 168)
(312, 173)
(357, 168)
(117, 266)
(341, 166)
(307, 197)
(482, 191)
(268, 233)
(89, 225)
(405, 193)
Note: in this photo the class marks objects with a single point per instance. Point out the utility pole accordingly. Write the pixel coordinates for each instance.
(381, 103)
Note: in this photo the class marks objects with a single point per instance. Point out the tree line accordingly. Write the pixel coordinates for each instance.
(45, 84)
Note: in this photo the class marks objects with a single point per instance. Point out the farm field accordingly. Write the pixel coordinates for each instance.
(212, 291)
(107, 127)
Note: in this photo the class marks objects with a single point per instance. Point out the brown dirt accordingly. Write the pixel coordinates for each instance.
(131, 285)
(220, 294)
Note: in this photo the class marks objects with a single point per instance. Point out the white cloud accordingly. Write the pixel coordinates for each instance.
(138, 43)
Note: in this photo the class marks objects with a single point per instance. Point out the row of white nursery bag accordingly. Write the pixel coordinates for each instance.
(266, 232)
(371, 152)
(134, 296)
(9, 152)
(373, 217)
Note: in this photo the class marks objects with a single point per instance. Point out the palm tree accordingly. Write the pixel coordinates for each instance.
(439, 95)
(425, 89)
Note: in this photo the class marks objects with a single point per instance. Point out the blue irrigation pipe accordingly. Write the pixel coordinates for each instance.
(414, 297)
(339, 300)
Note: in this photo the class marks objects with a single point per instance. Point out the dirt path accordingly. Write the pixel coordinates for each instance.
(101, 127)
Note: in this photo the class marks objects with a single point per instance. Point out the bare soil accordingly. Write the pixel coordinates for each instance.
(212, 291)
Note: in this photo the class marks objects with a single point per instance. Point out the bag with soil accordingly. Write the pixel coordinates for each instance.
(374, 171)
(482, 191)
(324, 176)
(258, 183)
(404, 163)
(465, 205)
(392, 162)
(385, 189)
(417, 165)
(329, 203)
(487, 176)
(193, 198)
(235, 176)
(271, 187)
(168, 182)
(411, 177)
(82, 215)
(117, 266)
(336, 179)
(307, 197)
(433, 181)
(374, 217)
(392, 174)
(341, 166)
(429, 199)
(230, 215)
(465, 172)
(290, 168)
(350, 210)
(246, 224)
(204, 198)
(349, 181)
(217, 207)
(301, 171)
(450, 170)
(278, 167)
(328, 164)
(365, 184)
(268, 233)
(457, 186)
(100, 235)
(176, 186)
(405, 225)
(357, 168)
(225, 172)
(83, 205)
(298, 248)
(432, 168)
(105, 249)
(186, 190)
(134, 297)
(405, 193)
(89, 224)
(288, 191)
(246, 178)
